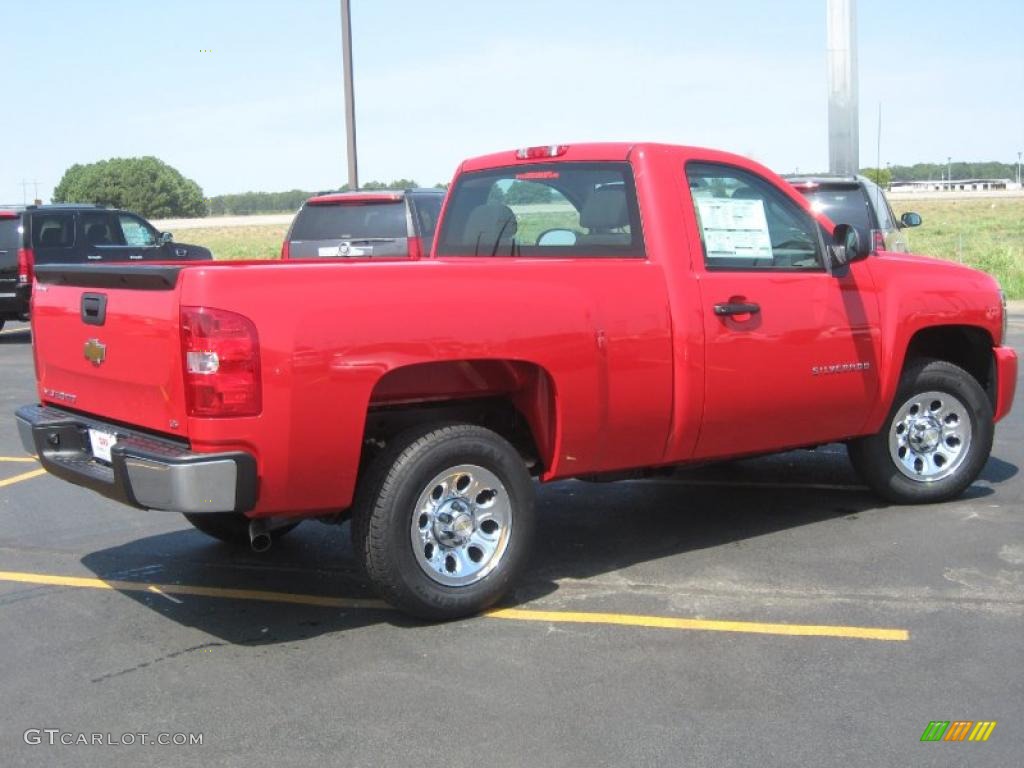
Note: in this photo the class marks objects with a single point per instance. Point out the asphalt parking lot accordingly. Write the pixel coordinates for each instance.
(767, 611)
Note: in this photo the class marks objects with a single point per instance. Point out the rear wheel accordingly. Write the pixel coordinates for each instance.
(443, 520)
(232, 527)
(935, 441)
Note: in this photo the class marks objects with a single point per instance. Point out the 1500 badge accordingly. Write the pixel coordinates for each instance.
(824, 370)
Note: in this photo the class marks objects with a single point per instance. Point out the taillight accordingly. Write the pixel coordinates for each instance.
(415, 248)
(879, 239)
(26, 262)
(221, 353)
(534, 153)
(286, 249)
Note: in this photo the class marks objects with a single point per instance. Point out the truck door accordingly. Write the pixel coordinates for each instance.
(141, 240)
(791, 354)
(100, 237)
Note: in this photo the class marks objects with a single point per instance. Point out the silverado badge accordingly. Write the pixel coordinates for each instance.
(95, 351)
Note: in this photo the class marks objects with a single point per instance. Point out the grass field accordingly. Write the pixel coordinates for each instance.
(234, 243)
(986, 233)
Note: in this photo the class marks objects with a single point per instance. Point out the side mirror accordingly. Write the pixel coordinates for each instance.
(166, 237)
(557, 237)
(910, 219)
(846, 246)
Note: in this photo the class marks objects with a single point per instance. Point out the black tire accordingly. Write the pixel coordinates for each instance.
(382, 518)
(231, 527)
(874, 462)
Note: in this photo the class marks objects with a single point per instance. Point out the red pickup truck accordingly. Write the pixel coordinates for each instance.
(596, 310)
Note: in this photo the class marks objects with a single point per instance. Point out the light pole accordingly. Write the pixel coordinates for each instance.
(843, 135)
(350, 101)
(949, 172)
(1018, 168)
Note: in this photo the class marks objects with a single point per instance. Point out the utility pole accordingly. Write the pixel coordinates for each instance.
(24, 190)
(949, 172)
(1018, 168)
(843, 131)
(350, 101)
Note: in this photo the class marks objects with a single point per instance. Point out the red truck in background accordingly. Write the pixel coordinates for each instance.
(596, 310)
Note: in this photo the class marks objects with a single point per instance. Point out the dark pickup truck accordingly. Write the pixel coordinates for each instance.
(75, 234)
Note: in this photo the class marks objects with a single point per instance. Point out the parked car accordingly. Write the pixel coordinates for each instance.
(390, 224)
(74, 234)
(15, 270)
(858, 201)
(664, 305)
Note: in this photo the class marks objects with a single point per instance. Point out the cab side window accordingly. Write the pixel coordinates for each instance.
(99, 229)
(136, 231)
(747, 224)
(53, 230)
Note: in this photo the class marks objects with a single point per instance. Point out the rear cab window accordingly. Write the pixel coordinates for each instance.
(555, 210)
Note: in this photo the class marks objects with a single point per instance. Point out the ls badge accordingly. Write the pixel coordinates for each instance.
(95, 352)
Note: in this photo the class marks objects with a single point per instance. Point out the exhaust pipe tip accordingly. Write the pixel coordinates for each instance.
(259, 538)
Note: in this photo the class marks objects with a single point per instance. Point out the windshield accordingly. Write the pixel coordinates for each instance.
(553, 209)
(350, 221)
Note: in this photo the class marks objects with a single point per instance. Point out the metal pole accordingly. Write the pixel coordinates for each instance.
(350, 101)
(843, 129)
(1018, 167)
(949, 172)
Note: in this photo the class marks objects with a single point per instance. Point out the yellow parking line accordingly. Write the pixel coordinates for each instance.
(710, 625)
(184, 589)
(18, 459)
(22, 476)
(517, 614)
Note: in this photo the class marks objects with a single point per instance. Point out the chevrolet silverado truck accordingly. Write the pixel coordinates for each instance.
(596, 311)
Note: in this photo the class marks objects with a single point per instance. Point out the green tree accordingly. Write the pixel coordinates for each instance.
(881, 176)
(521, 192)
(145, 185)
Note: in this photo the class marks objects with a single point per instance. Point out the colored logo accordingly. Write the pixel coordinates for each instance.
(95, 351)
(958, 730)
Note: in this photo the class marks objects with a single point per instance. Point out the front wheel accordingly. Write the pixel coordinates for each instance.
(443, 520)
(935, 440)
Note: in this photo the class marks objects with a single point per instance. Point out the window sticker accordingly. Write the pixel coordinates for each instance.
(734, 228)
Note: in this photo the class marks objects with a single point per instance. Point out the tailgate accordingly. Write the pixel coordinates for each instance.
(107, 343)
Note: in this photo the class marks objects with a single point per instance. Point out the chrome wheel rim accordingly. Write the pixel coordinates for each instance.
(930, 436)
(461, 525)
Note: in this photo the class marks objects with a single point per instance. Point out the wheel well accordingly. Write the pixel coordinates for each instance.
(965, 346)
(513, 398)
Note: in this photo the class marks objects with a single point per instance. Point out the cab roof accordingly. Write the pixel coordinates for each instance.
(605, 152)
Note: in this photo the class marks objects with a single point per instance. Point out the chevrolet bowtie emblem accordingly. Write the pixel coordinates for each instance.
(95, 351)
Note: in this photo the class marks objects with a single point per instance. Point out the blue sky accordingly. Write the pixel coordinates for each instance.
(439, 81)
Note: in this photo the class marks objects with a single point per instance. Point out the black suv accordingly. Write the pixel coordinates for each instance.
(858, 201)
(381, 224)
(74, 234)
